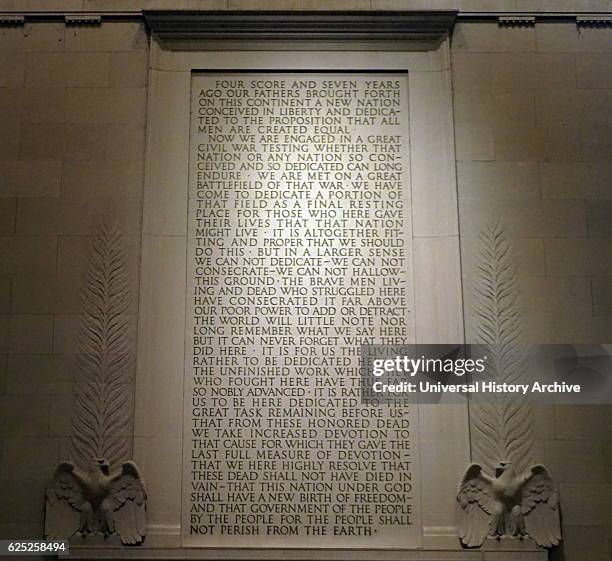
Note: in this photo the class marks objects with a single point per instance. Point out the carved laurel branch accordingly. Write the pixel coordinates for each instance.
(103, 396)
(502, 427)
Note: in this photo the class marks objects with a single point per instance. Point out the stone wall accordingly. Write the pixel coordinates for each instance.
(533, 127)
(533, 139)
(72, 114)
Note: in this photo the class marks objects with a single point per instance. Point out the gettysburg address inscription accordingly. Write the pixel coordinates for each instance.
(299, 252)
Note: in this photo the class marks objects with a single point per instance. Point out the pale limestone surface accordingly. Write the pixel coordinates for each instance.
(162, 320)
(72, 106)
(533, 146)
(532, 134)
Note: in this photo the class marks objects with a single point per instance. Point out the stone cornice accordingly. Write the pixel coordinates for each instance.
(419, 30)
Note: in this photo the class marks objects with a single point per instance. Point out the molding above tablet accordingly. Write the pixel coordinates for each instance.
(203, 30)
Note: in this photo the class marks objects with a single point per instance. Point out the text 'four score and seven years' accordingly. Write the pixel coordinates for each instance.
(298, 254)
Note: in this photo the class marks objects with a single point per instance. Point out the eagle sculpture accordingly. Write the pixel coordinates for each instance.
(96, 501)
(508, 505)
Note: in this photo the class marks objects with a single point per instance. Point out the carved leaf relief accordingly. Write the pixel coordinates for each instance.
(502, 427)
(103, 400)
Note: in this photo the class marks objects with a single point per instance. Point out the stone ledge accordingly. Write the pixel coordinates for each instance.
(98, 547)
(304, 554)
(163, 543)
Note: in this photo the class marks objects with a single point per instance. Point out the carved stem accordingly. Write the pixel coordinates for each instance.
(103, 397)
(501, 426)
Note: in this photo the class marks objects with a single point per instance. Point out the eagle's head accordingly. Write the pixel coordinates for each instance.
(100, 464)
(503, 467)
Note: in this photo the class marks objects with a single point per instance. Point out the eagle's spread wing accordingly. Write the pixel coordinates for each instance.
(540, 507)
(127, 499)
(473, 506)
(63, 504)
